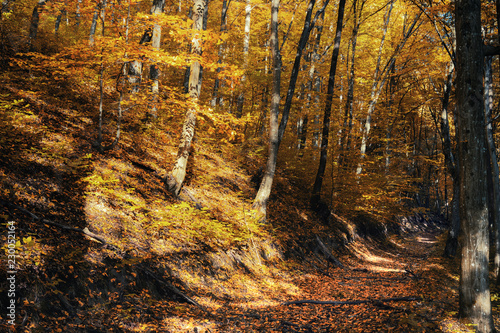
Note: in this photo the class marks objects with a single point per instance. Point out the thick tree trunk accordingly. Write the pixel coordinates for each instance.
(318, 182)
(474, 299)
(176, 178)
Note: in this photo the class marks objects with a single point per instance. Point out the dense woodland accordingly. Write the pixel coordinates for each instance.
(250, 166)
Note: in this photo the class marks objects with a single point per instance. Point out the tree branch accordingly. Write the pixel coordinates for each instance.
(491, 50)
(374, 301)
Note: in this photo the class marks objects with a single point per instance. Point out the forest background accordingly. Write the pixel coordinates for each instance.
(149, 141)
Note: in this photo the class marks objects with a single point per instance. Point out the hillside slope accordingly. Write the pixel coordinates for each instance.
(103, 247)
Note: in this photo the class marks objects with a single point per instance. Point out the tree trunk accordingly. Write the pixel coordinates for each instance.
(302, 133)
(246, 46)
(308, 26)
(154, 70)
(451, 247)
(377, 76)
(378, 85)
(99, 12)
(345, 144)
(495, 174)
(187, 73)
(176, 178)
(260, 202)
(316, 192)
(313, 85)
(216, 99)
(474, 299)
(275, 137)
(35, 21)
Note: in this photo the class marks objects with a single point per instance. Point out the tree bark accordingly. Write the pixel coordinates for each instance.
(474, 297)
(99, 12)
(375, 87)
(451, 165)
(276, 135)
(318, 182)
(154, 70)
(216, 98)
(313, 85)
(378, 84)
(345, 143)
(35, 21)
(495, 174)
(175, 179)
(262, 197)
(246, 46)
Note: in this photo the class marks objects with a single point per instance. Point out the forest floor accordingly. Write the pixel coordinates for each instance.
(154, 263)
(403, 285)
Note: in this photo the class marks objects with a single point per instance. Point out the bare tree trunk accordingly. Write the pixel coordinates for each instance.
(99, 12)
(452, 168)
(345, 144)
(175, 179)
(451, 247)
(495, 174)
(246, 46)
(260, 202)
(154, 70)
(276, 135)
(35, 21)
(474, 296)
(375, 88)
(313, 85)
(378, 85)
(187, 73)
(77, 14)
(135, 66)
(59, 19)
(216, 99)
(318, 182)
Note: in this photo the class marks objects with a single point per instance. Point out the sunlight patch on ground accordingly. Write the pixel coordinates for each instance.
(363, 253)
(178, 324)
(426, 240)
(380, 269)
(397, 243)
(449, 325)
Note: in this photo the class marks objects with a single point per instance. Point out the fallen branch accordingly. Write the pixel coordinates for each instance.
(365, 301)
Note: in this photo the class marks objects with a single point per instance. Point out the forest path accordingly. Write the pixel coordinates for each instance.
(403, 266)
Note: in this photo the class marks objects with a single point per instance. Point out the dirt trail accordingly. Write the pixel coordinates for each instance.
(401, 267)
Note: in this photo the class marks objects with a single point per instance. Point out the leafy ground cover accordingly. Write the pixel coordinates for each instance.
(102, 247)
